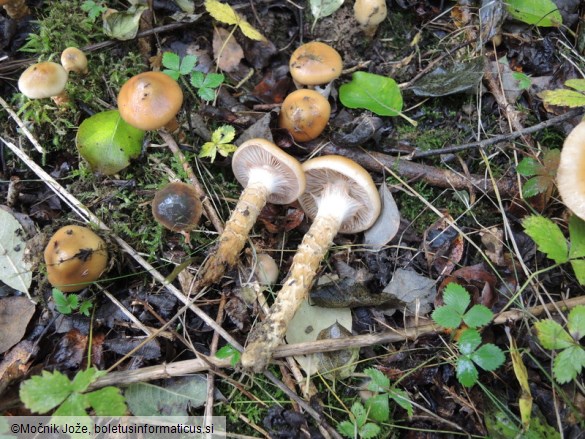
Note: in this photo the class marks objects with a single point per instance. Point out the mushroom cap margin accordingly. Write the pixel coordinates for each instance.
(571, 171)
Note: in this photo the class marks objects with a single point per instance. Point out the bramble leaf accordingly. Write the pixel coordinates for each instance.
(478, 315)
(456, 297)
(379, 382)
(378, 407)
(552, 335)
(576, 323)
(548, 237)
(44, 392)
(529, 167)
(568, 364)
(466, 371)
(488, 357)
(468, 342)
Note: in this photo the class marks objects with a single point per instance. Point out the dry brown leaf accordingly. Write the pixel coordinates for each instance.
(226, 50)
(15, 313)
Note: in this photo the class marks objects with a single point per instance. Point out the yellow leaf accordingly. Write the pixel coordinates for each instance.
(525, 401)
(224, 13)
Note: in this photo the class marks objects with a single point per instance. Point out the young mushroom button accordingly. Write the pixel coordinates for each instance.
(74, 60)
(150, 100)
(315, 63)
(369, 14)
(305, 114)
(44, 80)
(268, 174)
(571, 171)
(340, 197)
(177, 207)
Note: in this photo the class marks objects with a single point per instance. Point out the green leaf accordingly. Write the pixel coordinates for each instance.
(488, 357)
(213, 80)
(376, 93)
(85, 307)
(369, 430)
(577, 237)
(529, 167)
(378, 381)
(445, 317)
(576, 323)
(44, 392)
(548, 237)
(401, 398)
(542, 13)
(347, 429)
(469, 340)
(64, 304)
(107, 401)
(568, 364)
(324, 8)
(224, 134)
(524, 81)
(456, 297)
(108, 143)
(171, 61)
(172, 73)
(84, 378)
(187, 64)
(225, 149)
(563, 97)
(378, 407)
(535, 186)
(478, 315)
(207, 94)
(466, 371)
(74, 405)
(208, 149)
(359, 413)
(123, 25)
(228, 351)
(197, 79)
(552, 335)
(579, 269)
(577, 84)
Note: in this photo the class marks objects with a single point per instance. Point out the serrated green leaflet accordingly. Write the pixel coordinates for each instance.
(466, 371)
(468, 342)
(44, 392)
(445, 317)
(378, 407)
(548, 237)
(577, 237)
(488, 357)
(576, 323)
(552, 335)
(379, 382)
(568, 364)
(542, 13)
(535, 186)
(456, 297)
(478, 315)
(529, 167)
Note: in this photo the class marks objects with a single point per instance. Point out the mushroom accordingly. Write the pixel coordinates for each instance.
(304, 113)
(315, 64)
(268, 174)
(571, 171)
(266, 269)
(150, 101)
(74, 60)
(16, 9)
(340, 197)
(177, 207)
(75, 257)
(44, 80)
(369, 14)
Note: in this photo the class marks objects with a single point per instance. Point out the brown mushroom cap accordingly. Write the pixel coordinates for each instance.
(43, 80)
(150, 100)
(177, 207)
(74, 60)
(323, 171)
(261, 157)
(571, 171)
(315, 63)
(75, 257)
(305, 114)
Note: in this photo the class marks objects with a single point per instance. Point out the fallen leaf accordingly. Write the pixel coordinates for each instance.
(14, 270)
(480, 283)
(123, 346)
(123, 25)
(337, 364)
(226, 50)
(443, 245)
(460, 77)
(493, 241)
(15, 314)
(15, 364)
(387, 224)
(413, 292)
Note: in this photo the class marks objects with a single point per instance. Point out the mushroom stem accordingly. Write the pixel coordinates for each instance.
(233, 238)
(61, 99)
(266, 336)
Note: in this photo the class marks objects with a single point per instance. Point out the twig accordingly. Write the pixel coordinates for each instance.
(502, 137)
(207, 206)
(22, 126)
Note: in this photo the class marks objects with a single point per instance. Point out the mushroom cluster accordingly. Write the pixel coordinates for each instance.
(340, 197)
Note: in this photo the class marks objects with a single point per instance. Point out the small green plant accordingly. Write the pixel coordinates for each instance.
(66, 304)
(571, 358)
(451, 315)
(565, 97)
(93, 9)
(205, 84)
(542, 175)
(358, 425)
(50, 390)
(228, 351)
(220, 143)
(550, 240)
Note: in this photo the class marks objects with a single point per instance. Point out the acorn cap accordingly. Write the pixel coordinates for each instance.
(150, 100)
(43, 80)
(323, 170)
(260, 153)
(315, 63)
(571, 171)
(305, 114)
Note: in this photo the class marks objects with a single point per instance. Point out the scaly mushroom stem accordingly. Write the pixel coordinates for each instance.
(266, 336)
(236, 231)
(16, 9)
(61, 99)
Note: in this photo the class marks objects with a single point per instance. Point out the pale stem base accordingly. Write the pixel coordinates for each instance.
(266, 336)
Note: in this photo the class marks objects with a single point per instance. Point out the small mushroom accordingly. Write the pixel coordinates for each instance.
(571, 171)
(304, 114)
(44, 80)
(266, 269)
(314, 64)
(177, 207)
(75, 257)
(16, 9)
(268, 174)
(150, 101)
(74, 60)
(340, 197)
(369, 14)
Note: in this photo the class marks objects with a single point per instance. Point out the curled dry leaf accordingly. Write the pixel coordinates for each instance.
(387, 224)
(338, 364)
(15, 364)
(15, 313)
(410, 292)
(493, 241)
(14, 270)
(226, 50)
(475, 279)
(443, 245)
